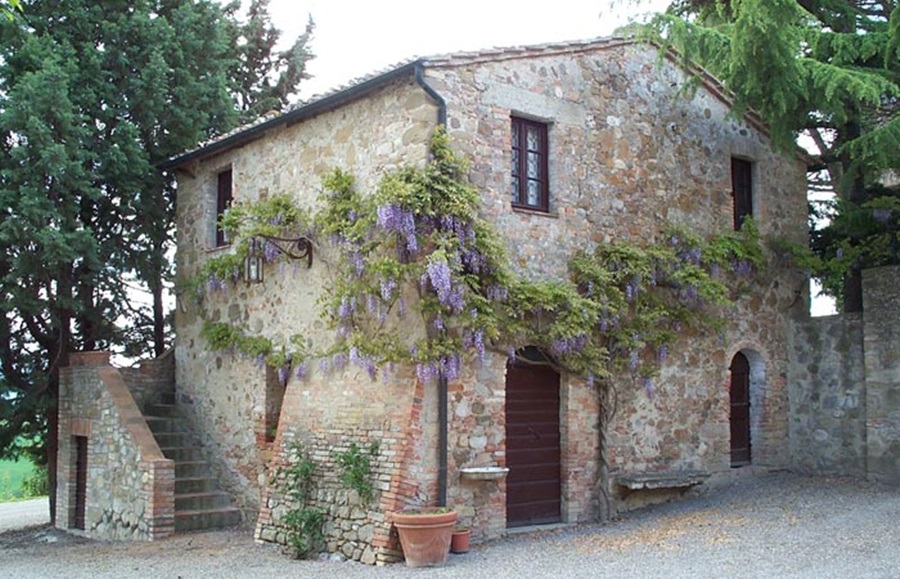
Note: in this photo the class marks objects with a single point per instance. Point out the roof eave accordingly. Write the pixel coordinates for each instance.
(296, 115)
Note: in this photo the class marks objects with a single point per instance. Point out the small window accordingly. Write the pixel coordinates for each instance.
(530, 187)
(223, 202)
(741, 190)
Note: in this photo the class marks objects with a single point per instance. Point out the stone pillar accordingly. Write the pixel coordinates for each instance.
(881, 315)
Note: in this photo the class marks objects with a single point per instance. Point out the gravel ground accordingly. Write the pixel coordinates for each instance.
(774, 525)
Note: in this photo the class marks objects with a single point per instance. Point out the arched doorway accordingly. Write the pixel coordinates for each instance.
(532, 443)
(739, 417)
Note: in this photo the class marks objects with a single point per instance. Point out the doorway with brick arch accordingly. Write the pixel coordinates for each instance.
(534, 482)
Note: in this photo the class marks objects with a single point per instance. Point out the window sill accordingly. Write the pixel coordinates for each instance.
(218, 248)
(526, 211)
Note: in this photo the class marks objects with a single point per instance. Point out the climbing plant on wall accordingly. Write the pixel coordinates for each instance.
(418, 248)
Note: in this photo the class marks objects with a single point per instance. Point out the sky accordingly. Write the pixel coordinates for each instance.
(354, 38)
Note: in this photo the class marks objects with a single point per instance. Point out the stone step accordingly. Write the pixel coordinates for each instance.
(182, 453)
(162, 410)
(173, 439)
(165, 424)
(194, 484)
(167, 397)
(201, 501)
(191, 469)
(207, 519)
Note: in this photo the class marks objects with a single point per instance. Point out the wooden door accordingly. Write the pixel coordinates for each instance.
(532, 445)
(740, 410)
(81, 468)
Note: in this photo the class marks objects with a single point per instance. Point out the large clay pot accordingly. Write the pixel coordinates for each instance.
(424, 536)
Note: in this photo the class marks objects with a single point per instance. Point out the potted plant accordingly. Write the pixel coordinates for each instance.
(425, 534)
(459, 540)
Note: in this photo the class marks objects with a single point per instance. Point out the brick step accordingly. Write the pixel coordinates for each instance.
(201, 501)
(194, 484)
(207, 519)
(191, 469)
(182, 453)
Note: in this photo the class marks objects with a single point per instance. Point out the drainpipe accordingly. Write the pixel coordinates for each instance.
(441, 103)
(443, 421)
(443, 427)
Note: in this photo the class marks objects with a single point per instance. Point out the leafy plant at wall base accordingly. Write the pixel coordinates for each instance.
(302, 521)
(356, 468)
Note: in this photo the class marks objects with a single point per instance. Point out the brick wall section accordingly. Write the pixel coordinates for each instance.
(130, 485)
(151, 378)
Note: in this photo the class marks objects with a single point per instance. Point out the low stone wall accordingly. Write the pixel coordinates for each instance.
(845, 387)
(129, 486)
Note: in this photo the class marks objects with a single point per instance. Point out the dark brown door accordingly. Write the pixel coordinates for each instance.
(81, 468)
(740, 410)
(532, 445)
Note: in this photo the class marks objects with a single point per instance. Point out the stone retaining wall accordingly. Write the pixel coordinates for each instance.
(845, 387)
(130, 485)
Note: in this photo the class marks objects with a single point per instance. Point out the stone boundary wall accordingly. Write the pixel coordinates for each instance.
(122, 503)
(845, 387)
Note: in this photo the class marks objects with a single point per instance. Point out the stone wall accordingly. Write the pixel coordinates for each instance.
(224, 395)
(845, 387)
(130, 485)
(827, 394)
(628, 155)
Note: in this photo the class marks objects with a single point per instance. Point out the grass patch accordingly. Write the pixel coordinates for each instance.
(12, 475)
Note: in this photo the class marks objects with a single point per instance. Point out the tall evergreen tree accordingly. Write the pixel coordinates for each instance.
(828, 69)
(93, 96)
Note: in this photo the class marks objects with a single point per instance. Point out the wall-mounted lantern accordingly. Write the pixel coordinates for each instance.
(293, 248)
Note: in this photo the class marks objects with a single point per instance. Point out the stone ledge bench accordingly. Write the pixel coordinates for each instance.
(681, 479)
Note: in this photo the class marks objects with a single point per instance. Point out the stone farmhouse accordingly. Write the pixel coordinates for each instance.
(618, 151)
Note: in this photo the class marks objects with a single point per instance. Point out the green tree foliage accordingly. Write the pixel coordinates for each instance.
(827, 69)
(93, 97)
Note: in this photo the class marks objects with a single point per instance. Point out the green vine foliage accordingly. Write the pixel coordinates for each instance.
(417, 247)
(304, 523)
(356, 468)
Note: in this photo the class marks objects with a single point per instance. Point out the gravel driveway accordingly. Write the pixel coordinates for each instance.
(774, 525)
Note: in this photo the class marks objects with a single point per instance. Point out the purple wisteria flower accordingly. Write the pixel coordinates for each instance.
(356, 260)
(300, 370)
(270, 252)
(741, 267)
(633, 360)
(339, 360)
(439, 275)
(387, 288)
(590, 381)
(648, 384)
(284, 373)
(663, 353)
(324, 365)
(395, 219)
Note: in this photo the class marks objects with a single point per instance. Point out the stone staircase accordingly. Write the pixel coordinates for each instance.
(199, 502)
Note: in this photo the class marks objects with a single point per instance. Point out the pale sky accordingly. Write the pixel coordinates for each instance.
(357, 37)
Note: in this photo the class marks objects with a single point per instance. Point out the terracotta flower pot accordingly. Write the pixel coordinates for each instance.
(425, 535)
(459, 541)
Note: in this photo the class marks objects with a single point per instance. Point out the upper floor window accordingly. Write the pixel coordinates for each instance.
(741, 190)
(223, 202)
(530, 187)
